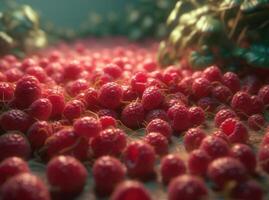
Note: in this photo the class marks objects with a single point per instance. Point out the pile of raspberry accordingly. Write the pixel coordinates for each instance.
(105, 119)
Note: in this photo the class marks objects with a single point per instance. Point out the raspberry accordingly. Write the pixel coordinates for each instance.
(265, 139)
(110, 95)
(38, 134)
(57, 101)
(158, 142)
(13, 144)
(193, 138)
(24, 187)
(184, 86)
(263, 156)
(187, 187)
(215, 147)
(248, 190)
(75, 87)
(221, 135)
(251, 84)
(6, 92)
(138, 82)
(113, 70)
(222, 93)
(130, 190)
(109, 142)
(264, 94)
(107, 173)
(232, 81)
(91, 98)
(207, 104)
(241, 102)
(139, 158)
(40, 109)
(223, 171)
(37, 72)
(245, 155)
(133, 115)
(171, 166)
(201, 88)
(196, 116)
(222, 115)
(150, 65)
(212, 74)
(87, 127)
(156, 114)
(179, 115)
(72, 70)
(66, 174)
(107, 112)
(257, 105)
(198, 162)
(13, 74)
(107, 122)
(128, 94)
(73, 109)
(256, 122)
(160, 126)
(27, 90)
(152, 98)
(235, 130)
(15, 120)
(11, 167)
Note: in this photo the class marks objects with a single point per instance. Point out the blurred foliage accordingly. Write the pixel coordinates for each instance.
(226, 32)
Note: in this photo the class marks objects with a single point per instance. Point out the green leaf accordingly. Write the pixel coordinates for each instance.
(208, 25)
(200, 61)
(250, 6)
(229, 4)
(257, 55)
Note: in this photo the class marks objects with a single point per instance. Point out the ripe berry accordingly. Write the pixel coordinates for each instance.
(201, 88)
(187, 187)
(193, 138)
(232, 81)
(212, 74)
(241, 102)
(179, 115)
(11, 167)
(113, 70)
(138, 82)
(73, 109)
(128, 94)
(251, 84)
(110, 95)
(133, 115)
(13, 74)
(15, 120)
(245, 155)
(13, 144)
(157, 113)
(160, 126)
(57, 101)
(139, 158)
(66, 174)
(264, 94)
(107, 122)
(152, 98)
(109, 142)
(171, 166)
(248, 190)
(158, 142)
(37, 72)
(107, 173)
(6, 92)
(235, 130)
(87, 127)
(198, 162)
(107, 112)
(72, 70)
(91, 98)
(75, 87)
(24, 187)
(131, 190)
(263, 157)
(38, 134)
(224, 170)
(222, 115)
(222, 93)
(40, 109)
(257, 105)
(215, 147)
(196, 115)
(256, 122)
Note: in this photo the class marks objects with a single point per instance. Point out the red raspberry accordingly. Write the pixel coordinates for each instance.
(13, 74)
(24, 187)
(107, 173)
(75, 87)
(171, 166)
(256, 122)
(128, 94)
(263, 157)
(257, 105)
(58, 103)
(107, 122)
(87, 127)
(264, 94)
(201, 88)
(245, 155)
(221, 135)
(193, 138)
(11, 167)
(222, 93)
(91, 98)
(157, 113)
(138, 82)
(158, 142)
(73, 109)
(150, 65)
(152, 98)
(265, 139)
(13, 144)
(196, 115)
(251, 84)
(235, 130)
(133, 115)
(110, 95)
(139, 158)
(223, 171)
(37, 72)
(113, 70)
(232, 81)
(107, 112)
(38, 134)
(187, 187)
(212, 74)
(248, 190)
(6, 92)
(207, 104)
(179, 114)
(241, 102)
(184, 86)
(198, 162)
(160, 126)
(72, 70)
(222, 115)
(40, 109)
(15, 120)
(215, 147)
(109, 142)
(66, 174)
(131, 190)
(27, 90)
